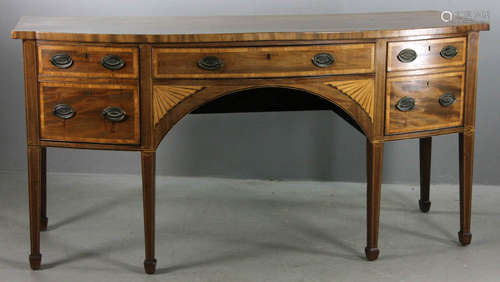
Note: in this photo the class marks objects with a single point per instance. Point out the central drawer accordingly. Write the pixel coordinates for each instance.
(247, 62)
(94, 113)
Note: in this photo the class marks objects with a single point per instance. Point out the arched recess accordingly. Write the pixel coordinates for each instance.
(175, 99)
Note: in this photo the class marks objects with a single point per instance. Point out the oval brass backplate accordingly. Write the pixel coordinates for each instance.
(406, 104)
(407, 55)
(64, 111)
(62, 61)
(323, 60)
(112, 62)
(448, 52)
(210, 63)
(447, 99)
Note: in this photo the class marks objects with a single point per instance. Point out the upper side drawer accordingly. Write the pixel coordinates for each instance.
(409, 55)
(87, 61)
(246, 62)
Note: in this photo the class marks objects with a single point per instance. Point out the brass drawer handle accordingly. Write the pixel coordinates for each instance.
(114, 114)
(323, 60)
(407, 56)
(447, 99)
(64, 111)
(406, 104)
(210, 63)
(62, 61)
(112, 62)
(448, 52)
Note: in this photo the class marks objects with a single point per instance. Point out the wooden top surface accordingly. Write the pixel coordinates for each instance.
(241, 28)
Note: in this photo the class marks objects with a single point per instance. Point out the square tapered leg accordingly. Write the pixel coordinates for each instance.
(34, 187)
(43, 190)
(148, 190)
(374, 154)
(425, 173)
(466, 153)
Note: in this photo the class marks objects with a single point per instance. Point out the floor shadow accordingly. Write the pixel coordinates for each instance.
(252, 248)
(418, 234)
(89, 211)
(319, 234)
(14, 264)
(255, 249)
(11, 221)
(240, 255)
(425, 218)
(97, 252)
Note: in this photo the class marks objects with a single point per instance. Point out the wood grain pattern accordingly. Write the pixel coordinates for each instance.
(217, 88)
(90, 146)
(241, 28)
(34, 176)
(43, 189)
(263, 61)
(374, 161)
(161, 83)
(166, 97)
(31, 93)
(425, 71)
(428, 113)
(87, 61)
(420, 134)
(148, 165)
(146, 96)
(379, 89)
(88, 125)
(425, 152)
(428, 54)
(466, 141)
(471, 80)
(465, 164)
(361, 91)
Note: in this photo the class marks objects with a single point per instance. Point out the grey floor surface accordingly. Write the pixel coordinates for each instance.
(245, 230)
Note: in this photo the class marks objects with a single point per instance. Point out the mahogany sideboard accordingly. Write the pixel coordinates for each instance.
(121, 83)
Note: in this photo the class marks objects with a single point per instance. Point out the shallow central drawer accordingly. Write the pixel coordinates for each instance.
(91, 113)
(246, 62)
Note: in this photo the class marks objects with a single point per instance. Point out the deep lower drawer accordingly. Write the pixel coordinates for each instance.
(245, 62)
(416, 103)
(92, 113)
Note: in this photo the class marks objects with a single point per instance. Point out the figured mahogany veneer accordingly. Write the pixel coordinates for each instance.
(166, 97)
(88, 124)
(122, 83)
(344, 91)
(428, 54)
(427, 113)
(360, 90)
(263, 61)
(87, 61)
